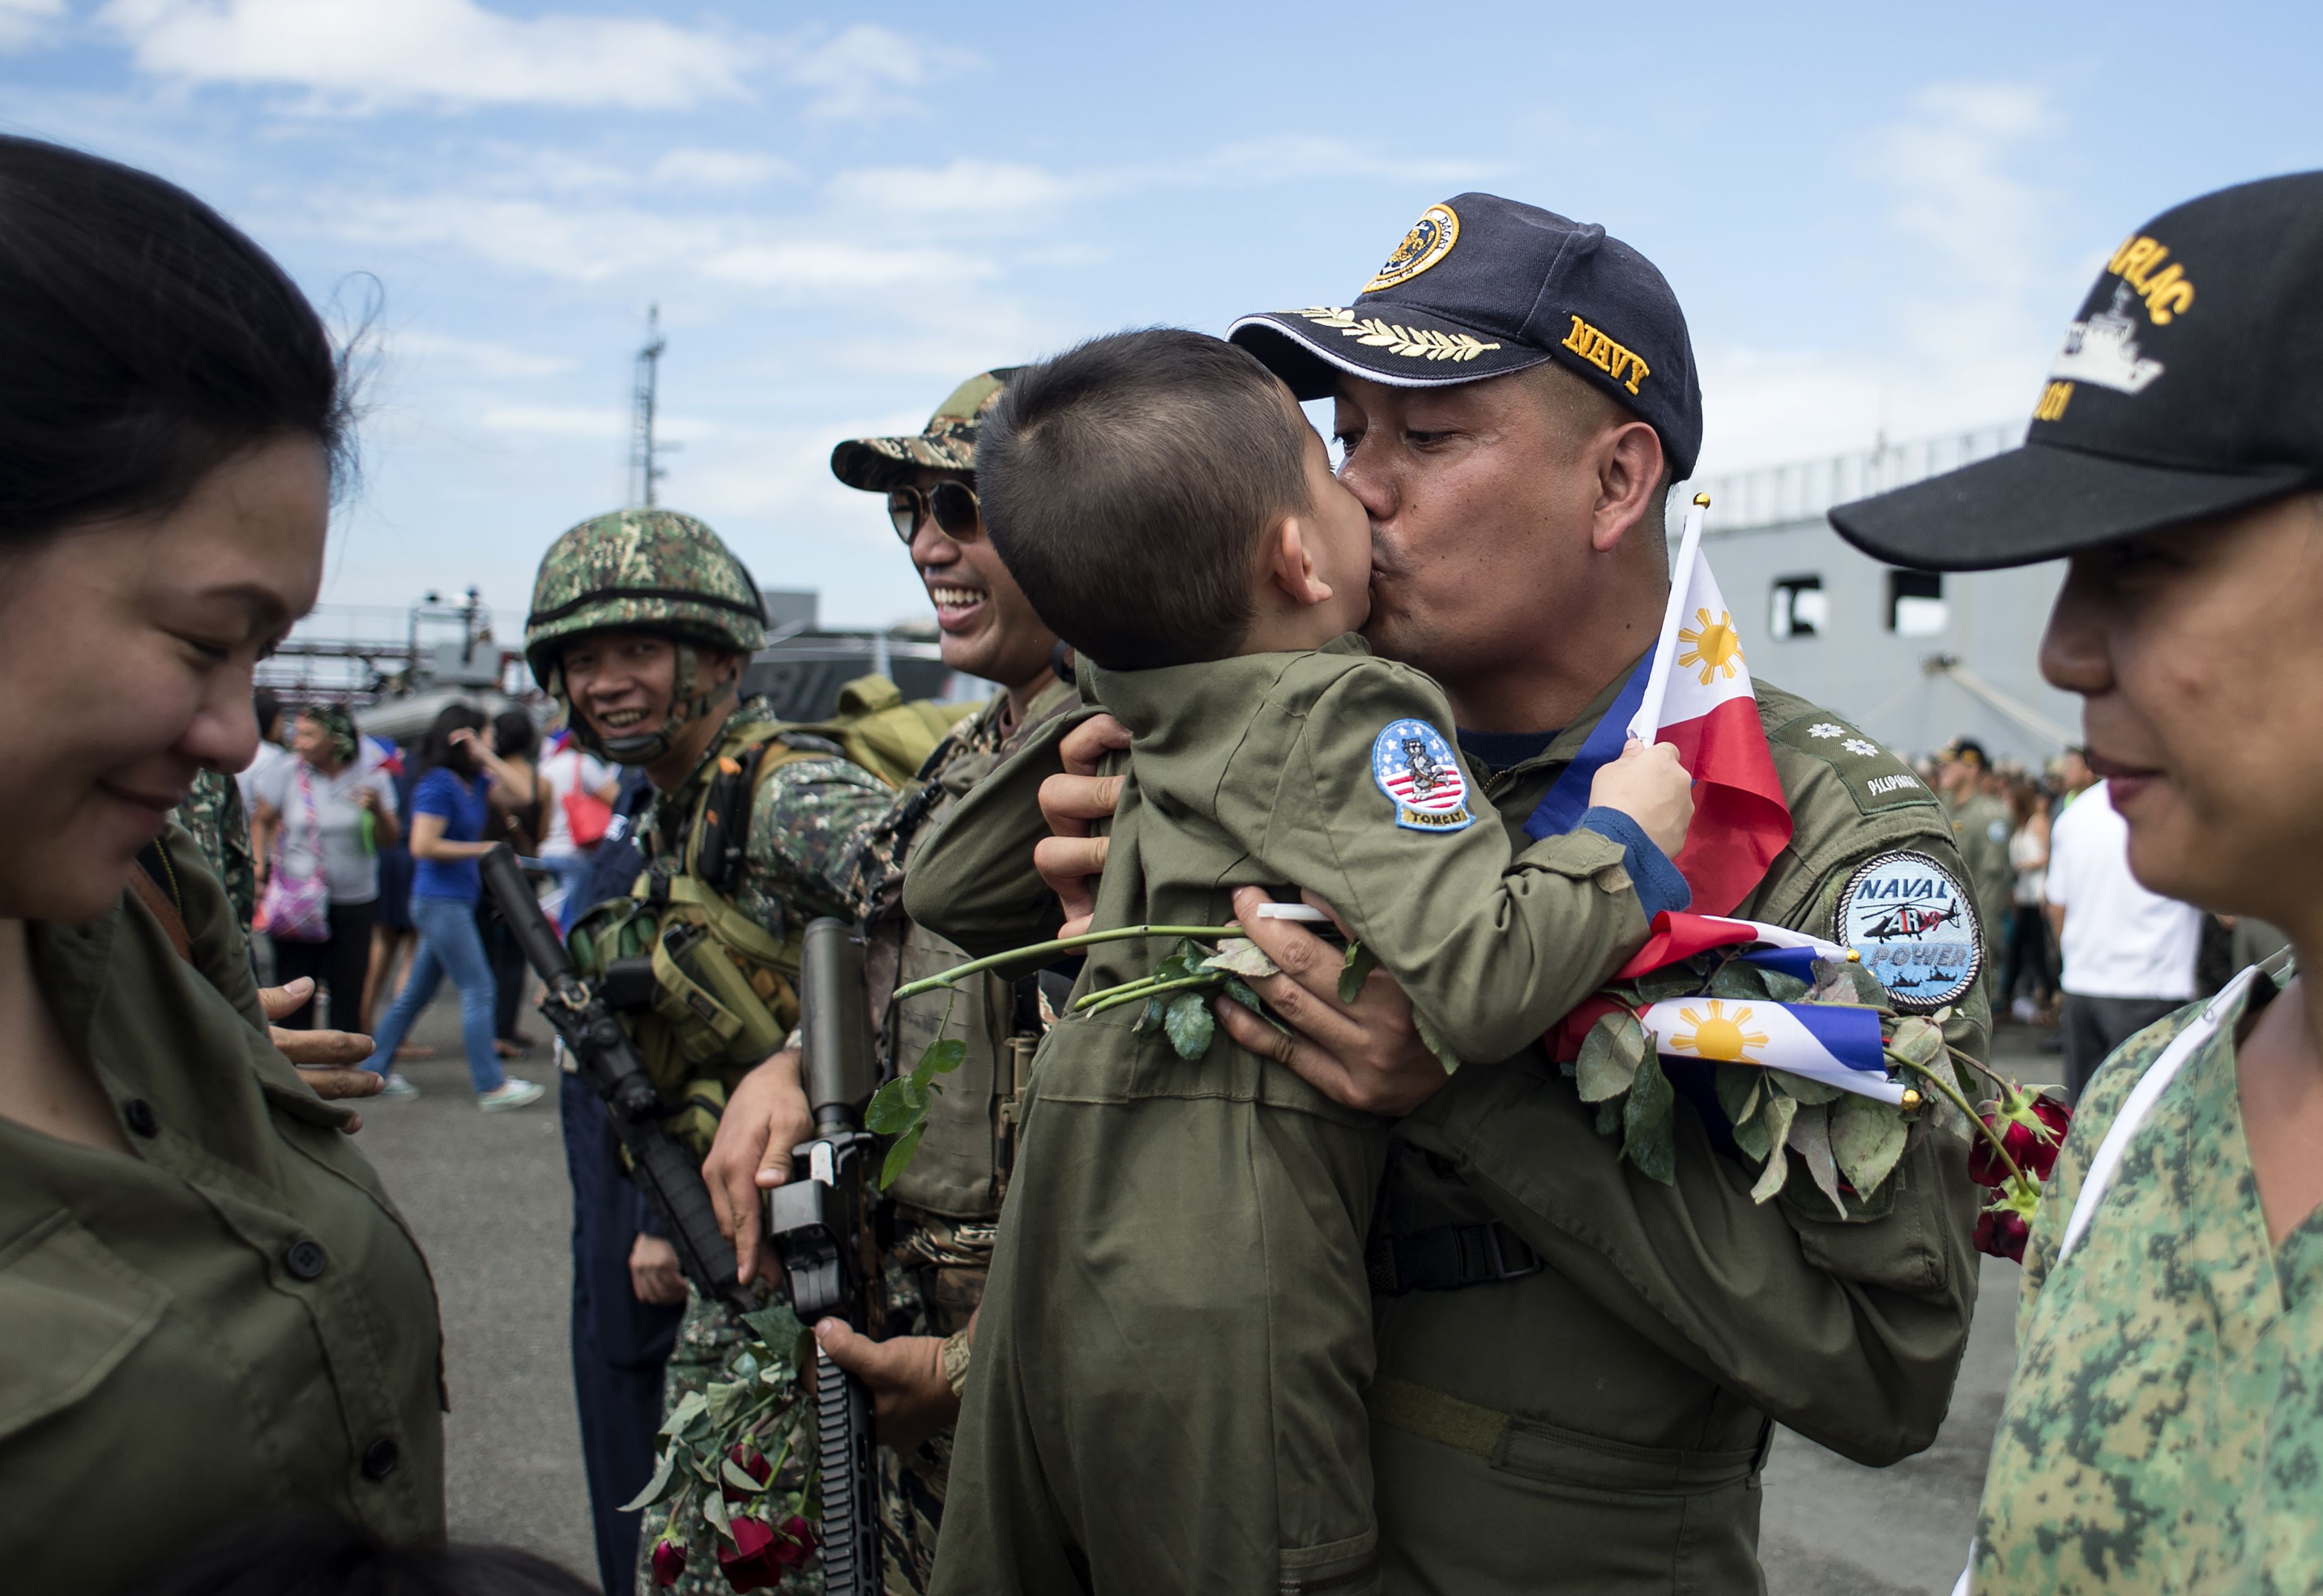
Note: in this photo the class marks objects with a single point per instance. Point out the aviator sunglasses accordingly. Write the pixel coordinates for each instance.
(952, 504)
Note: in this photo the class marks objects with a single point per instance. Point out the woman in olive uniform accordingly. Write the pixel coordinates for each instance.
(208, 1308)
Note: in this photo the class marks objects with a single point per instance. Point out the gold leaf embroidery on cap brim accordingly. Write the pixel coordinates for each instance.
(1414, 343)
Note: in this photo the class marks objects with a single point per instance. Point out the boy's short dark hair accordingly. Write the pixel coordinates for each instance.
(1126, 483)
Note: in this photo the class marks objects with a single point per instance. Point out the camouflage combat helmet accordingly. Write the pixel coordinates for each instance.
(649, 571)
(947, 442)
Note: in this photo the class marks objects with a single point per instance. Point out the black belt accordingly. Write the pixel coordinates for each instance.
(1448, 1258)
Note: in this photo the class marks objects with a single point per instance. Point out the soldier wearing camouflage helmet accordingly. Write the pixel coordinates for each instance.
(946, 1205)
(642, 622)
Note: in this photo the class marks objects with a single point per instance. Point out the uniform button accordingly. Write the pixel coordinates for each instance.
(141, 1116)
(306, 1261)
(379, 1458)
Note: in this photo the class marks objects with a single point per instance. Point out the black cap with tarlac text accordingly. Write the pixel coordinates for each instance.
(1482, 286)
(2189, 386)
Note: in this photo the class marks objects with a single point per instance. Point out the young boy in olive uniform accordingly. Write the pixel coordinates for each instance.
(1178, 1292)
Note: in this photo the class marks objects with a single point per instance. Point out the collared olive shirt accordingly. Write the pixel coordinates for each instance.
(1596, 1425)
(229, 1320)
(2163, 1430)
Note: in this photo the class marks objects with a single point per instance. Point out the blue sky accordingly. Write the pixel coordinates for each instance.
(1875, 217)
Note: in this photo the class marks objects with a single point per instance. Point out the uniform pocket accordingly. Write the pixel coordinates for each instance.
(74, 1311)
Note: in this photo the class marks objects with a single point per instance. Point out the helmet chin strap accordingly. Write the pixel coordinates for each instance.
(688, 703)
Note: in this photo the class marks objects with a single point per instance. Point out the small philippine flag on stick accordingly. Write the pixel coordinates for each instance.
(1699, 699)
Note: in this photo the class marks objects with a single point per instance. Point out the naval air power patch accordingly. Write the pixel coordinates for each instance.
(1415, 767)
(1915, 927)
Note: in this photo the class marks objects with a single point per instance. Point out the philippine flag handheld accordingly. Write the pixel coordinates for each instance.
(1699, 700)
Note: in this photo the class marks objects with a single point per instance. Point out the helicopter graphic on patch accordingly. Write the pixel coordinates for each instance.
(1416, 768)
(1915, 927)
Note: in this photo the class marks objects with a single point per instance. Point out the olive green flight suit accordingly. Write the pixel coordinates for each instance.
(229, 1320)
(1168, 1389)
(1982, 826)
(1586, 1407)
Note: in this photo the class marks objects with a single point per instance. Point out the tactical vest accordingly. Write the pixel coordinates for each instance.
(961, 1170)
(706, 992)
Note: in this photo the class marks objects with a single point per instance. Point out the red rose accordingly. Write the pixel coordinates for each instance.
(761, 1552)
(668, 1562)
(2032, 1128)
(748, 1460)
(751, 1566)
(797, 1544)
(2003, 1232)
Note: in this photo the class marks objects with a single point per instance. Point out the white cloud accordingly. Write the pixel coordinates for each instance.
(478, 357)
(23, 22)
(367, 53)
(867, 73)
(597, 422)
(719, 169)
(965, 189)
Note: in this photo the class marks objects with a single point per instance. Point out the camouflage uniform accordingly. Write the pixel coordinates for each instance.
(656, 571)
(947, 1204)
(2165, 1427)
(1981, 826)
(214, 813)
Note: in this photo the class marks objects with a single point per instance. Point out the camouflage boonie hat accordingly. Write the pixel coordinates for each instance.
(947, 442)
(647, 570)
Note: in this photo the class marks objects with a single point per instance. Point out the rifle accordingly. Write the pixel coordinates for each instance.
(820, 1222)
(661, 1166)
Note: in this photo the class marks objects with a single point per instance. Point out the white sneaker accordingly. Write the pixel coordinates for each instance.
(397, 1086)
(510, 1093)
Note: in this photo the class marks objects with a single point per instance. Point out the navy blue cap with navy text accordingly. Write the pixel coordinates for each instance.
(1482, 286)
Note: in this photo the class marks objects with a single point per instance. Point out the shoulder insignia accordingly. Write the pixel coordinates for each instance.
(1416, 768)
(1915, 926)
(1875, 779)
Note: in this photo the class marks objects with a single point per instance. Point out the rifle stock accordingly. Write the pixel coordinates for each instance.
(663, 1169)
(821, 1223)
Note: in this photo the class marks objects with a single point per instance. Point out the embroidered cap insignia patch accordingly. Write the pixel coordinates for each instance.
(1915, 927)
(1431, 239)
(1416, 768)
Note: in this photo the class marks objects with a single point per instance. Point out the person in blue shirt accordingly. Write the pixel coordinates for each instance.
(450, 815)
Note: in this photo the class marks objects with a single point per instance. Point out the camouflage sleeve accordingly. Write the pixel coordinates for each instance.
(809, 822)
(220, 826)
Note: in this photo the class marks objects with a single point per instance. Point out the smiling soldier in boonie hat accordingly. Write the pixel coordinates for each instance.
(2162, 1431)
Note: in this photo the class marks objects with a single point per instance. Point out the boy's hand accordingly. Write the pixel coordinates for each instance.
(1652, 788)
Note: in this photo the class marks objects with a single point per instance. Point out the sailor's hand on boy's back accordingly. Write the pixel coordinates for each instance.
(1652, 788)
(1072, 859)
(1366, 1054)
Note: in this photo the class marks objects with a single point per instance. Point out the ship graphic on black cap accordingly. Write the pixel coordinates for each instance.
(2103, 349)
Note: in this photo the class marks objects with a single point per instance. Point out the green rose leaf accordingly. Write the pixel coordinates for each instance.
(1810, 1138)
(1610, 1056)
(658, 1488)
(1151, 1020)
(1867, 1138)
(1360, 962)
(1804, 1089)
(895, 1108)
(714, 1513)
(1735, 979)
(942, 1056)
(726, 1396)
(1783, 989)
(688, 1409)
(1919, 1041)
(1675, 980)
(1190, 1025)
(1740, 1087)
(1609, 1117)
(1250, 1000)
(1434, 1042)
(777, 1327)
(734, 1476)
(899, 1157)
(1776, 1118)
(1649, 1123)
(1238, 957)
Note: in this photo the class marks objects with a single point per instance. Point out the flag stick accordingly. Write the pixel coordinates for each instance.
(1647, 724)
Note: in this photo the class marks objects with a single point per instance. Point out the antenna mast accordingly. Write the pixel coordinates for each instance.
(645, 454)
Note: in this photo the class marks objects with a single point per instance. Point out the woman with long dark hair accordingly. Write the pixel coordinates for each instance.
(208, 1307)
(450, 819)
